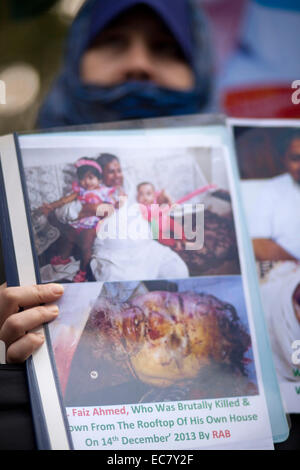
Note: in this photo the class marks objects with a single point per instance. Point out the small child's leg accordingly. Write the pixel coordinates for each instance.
(86, 238)
(66, 242)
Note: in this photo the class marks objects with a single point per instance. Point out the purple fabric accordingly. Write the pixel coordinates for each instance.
(173, 12)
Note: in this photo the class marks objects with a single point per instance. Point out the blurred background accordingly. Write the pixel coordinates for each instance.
(32, 35)
(254, 42)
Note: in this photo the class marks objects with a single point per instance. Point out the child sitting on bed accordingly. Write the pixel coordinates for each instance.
(82, 232)
(155, 207)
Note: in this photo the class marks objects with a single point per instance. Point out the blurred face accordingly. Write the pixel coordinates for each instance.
(292, 159)
(137, 46)
(89, 181)
(146, 194)
(112, 174)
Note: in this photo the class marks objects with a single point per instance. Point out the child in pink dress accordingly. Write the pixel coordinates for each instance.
(89, 190)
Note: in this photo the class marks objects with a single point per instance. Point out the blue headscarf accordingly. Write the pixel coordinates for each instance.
(71, 102)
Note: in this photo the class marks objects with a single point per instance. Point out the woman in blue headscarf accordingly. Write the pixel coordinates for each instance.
(130, 59)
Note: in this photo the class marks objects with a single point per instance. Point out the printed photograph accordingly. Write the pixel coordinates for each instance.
(153, 341)
(280, 288)
(269, 162)
(120, 214)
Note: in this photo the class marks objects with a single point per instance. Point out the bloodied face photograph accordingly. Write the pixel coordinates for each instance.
(153, 341)
(80, 197)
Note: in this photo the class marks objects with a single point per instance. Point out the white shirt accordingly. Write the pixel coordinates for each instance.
(129, 252)
(277, 214)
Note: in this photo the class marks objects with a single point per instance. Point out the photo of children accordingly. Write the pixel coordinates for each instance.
(81, 232)
(154, 341)
(71, 213)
